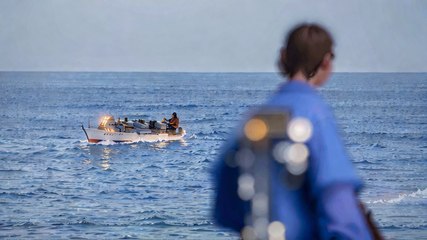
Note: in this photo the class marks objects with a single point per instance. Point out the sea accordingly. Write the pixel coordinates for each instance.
(56, 185)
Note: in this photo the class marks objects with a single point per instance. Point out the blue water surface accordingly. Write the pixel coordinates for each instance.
(54, 185)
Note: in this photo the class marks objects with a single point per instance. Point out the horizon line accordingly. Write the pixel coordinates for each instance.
(207, 72)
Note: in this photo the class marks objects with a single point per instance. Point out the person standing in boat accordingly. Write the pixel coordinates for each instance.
(326, 205)
(173, 123)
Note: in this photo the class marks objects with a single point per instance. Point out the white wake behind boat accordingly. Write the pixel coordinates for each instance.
(131, 131)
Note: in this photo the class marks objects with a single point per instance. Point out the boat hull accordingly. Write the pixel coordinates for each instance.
(95, 135)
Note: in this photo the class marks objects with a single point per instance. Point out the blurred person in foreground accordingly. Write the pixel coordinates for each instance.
(326, 205)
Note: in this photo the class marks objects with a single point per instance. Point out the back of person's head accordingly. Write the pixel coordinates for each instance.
(304, 50)
(174, 114)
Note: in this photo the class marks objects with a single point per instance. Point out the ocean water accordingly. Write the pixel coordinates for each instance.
(55, 185)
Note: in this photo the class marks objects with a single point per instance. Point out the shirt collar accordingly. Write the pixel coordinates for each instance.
(295, 85)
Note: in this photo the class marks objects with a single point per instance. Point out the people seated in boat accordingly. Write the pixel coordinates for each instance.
(173, 123)
(119, 125)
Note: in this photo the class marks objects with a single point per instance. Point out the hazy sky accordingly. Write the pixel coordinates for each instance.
(205, 35)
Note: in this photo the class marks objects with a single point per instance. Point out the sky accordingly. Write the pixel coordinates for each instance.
(205, 35)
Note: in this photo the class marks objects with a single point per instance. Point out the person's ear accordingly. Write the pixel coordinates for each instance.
(326, 62)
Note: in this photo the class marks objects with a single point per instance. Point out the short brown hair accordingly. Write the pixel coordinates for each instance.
(304, 50)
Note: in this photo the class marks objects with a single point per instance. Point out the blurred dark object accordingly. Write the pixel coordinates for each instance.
(376, 234)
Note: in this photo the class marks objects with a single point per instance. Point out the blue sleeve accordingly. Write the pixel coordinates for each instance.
(334, 183)
(229, 209)
(339, 214)
(328, 161)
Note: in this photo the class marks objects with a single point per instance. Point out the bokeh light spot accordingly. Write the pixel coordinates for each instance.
(245, 158)
(300, 129)
(260, 226)
(260, 204)
(256, 129)
(246, 187)
(279, 151)
(248, 233)
(296, 158)
(276, 231)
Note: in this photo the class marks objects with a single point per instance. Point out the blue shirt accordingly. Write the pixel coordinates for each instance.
(327, 207)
